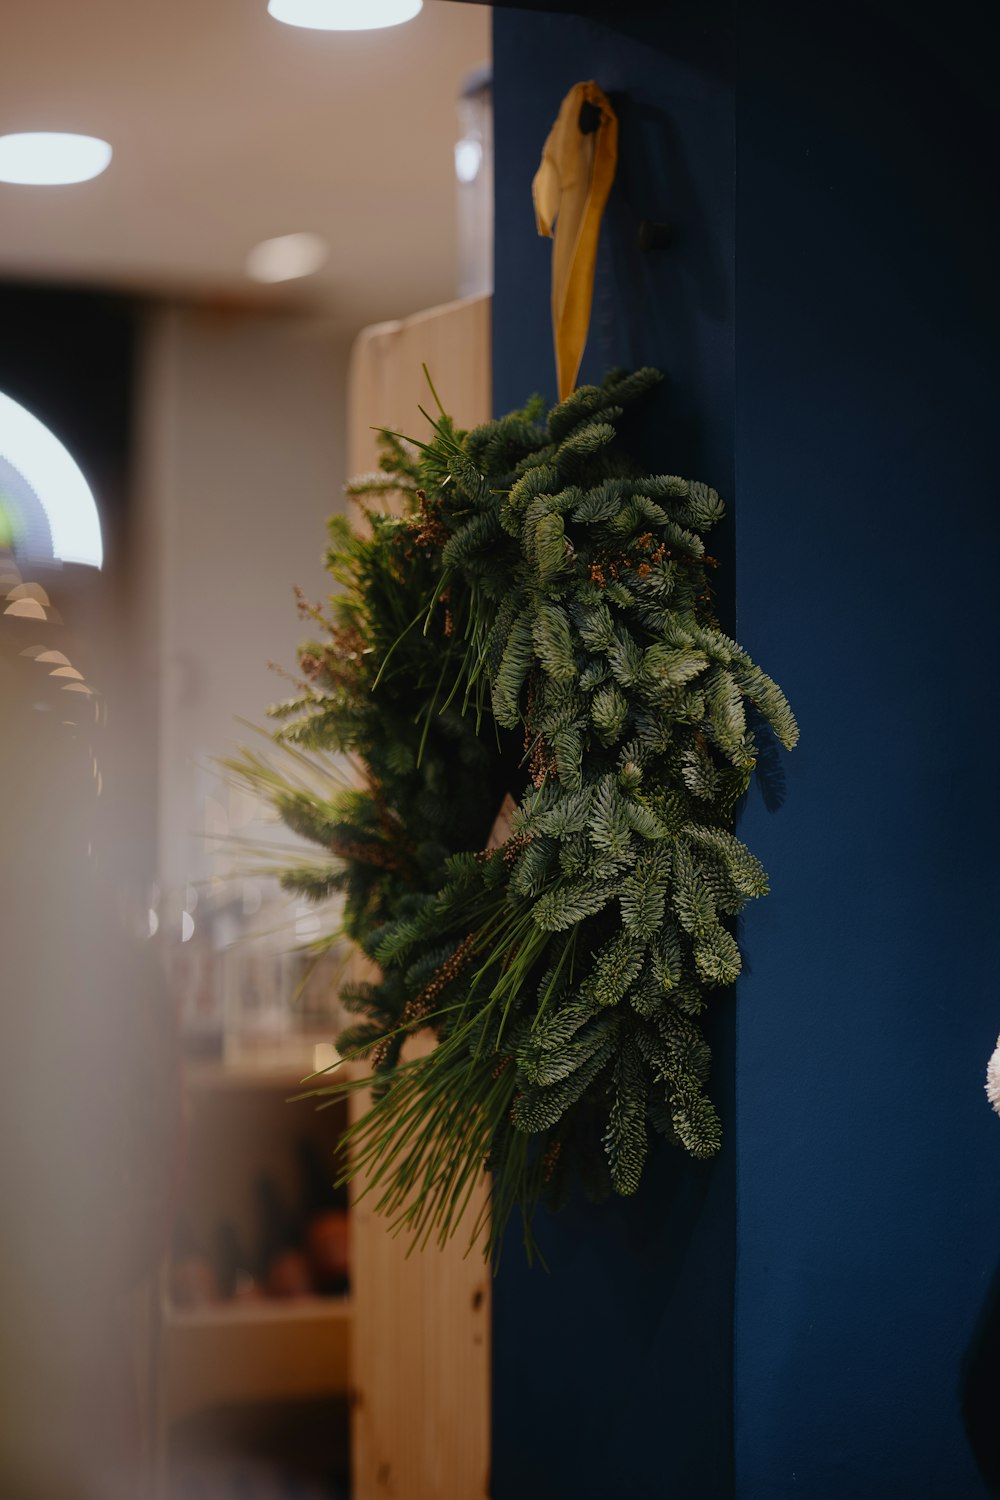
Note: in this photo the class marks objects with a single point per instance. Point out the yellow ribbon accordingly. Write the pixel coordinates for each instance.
(570, 190)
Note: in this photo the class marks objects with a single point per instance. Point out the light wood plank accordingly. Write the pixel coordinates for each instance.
(421, 1323)
(421, 1360)
(386, 386)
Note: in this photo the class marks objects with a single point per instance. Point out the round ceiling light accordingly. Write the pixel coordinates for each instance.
(344, 15)
(46, 157)
(287, 257)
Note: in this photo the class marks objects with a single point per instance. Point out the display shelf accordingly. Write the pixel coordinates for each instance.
(227, 1353)
(232, 1353)
(225, 1315)
(292, 1065)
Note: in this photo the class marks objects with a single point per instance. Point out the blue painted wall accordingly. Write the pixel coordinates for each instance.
(845, 397)
(613, 1373)
(867, 550)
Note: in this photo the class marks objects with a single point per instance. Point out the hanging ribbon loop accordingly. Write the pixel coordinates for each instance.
(570, 191)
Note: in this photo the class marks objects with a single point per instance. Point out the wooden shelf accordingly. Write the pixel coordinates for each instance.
(234, 1353)
(230, 1353)
(289, 1067)
(224, 1315)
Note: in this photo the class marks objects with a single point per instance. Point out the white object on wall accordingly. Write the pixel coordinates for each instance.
(993, 1078)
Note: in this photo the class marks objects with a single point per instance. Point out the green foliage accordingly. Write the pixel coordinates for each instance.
(538, 621)
(626, 1139)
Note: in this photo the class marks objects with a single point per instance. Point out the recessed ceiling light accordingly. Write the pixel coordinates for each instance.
(47, 157)
(287, 257)
(344, 15)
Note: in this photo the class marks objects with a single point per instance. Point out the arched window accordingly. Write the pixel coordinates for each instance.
(47, 503)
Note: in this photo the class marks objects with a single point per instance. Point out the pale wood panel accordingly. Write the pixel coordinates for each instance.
(387, 386)
(421, 1326)
(420, 1362)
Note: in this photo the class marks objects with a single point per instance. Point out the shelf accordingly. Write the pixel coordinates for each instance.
(288, 1066)
(223, 1315)
(236, 1353)
(229, 1353)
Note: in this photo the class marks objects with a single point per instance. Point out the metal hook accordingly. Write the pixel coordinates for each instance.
(654, 236)
(590, 118)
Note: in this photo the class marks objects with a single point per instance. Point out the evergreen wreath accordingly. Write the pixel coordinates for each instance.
(537, 622)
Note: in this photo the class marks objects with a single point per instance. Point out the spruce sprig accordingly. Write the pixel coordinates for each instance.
(537, 622)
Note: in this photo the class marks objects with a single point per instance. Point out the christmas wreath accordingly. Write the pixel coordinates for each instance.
(537, 626)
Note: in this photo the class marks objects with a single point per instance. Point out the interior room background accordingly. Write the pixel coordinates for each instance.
(800, 1318)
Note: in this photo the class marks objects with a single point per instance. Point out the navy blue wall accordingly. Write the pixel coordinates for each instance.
(867, 552)
(630, 1335)
(846, 400)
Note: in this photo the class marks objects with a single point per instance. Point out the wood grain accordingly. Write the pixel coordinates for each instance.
(387, 387)
(421, 1325)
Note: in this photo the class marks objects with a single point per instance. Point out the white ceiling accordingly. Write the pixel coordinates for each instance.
(229, 128)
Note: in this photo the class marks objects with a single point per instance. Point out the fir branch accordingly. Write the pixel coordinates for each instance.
(535, 583)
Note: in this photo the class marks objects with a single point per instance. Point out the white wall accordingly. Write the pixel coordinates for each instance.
(242, 429)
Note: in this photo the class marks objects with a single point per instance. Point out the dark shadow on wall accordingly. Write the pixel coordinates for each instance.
(655, 304)
(981, 1389)
(664, 299)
